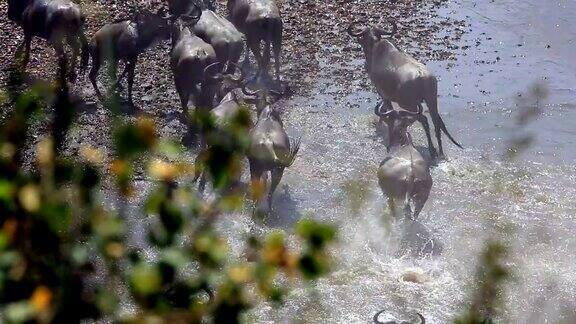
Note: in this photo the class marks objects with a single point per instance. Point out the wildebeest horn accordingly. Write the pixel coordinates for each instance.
(382, 114)
(408, 113)
(376, 321)
(351, 31)
(381, 32)
(189, 16)
(248, 92)
(208, 74)
(422, 319)
(276, 93)
(375, 318)
(236, 67)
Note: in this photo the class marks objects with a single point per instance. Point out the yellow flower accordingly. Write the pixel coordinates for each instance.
(118, 167)
(45, 152)
(92, 154)
(114, 250)
(9, 228)
(7, 151)
(240, 274)
(147, 130)
(41, 298)
(292, 261)
(163, 170)
(30, 198)
(257, 189)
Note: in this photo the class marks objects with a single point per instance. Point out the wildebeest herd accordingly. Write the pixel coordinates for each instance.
(205, 52)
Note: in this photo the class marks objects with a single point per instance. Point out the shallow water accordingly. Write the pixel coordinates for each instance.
(477, 194)
(528, 203)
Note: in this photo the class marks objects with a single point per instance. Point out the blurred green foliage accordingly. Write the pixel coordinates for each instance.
(490, 277)
(64, 253)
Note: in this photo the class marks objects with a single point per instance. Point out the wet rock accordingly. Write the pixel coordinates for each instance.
(414, 276)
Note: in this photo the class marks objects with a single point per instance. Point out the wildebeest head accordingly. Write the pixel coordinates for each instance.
(263, 100)
(376, 320)
(398, 122)
(368, 36)
(153, 25)
(16, 9)
(226, 82)
(181, 21)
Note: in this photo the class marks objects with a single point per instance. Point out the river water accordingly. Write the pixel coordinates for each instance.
(510, 48)
(478, 194)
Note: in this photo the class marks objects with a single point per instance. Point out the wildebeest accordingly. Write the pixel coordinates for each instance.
(270, 149)
(404, 175)
(226, 40)
(259, 21)
(399, 77)
(229, 109)
(124, 41)
(376, 319)
(57, 21)
(189, 58)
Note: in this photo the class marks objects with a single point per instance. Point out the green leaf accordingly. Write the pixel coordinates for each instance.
(19, 312)
(316, 234)
(146, 279)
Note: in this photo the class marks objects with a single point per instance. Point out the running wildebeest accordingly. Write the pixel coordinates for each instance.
(57, 21)
(404, 175)
(229, 109)
(124, 41)
(399, 77)
(226, 40)
(270, 149)
(189, 58)
(376, 320)
(259, 21)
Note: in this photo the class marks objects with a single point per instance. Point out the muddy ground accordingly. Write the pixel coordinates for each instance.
(487, 55)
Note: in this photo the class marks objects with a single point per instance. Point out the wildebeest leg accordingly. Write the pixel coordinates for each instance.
(118, 83)
(256, 181)
(392, 207)
(246, 62)
(277, 47)
(234, 56)
(438, 133)
(201, 156)
(276, 176)
(59, 47)
(184, 98)
(74, 43)
(131, 67)
(419, 200)
(266, 59)
(424, 121)
(254, 45)
(96, 63)
(222, 53)
(198, 97)
(202, 183)
(26, 46)
(408, 211)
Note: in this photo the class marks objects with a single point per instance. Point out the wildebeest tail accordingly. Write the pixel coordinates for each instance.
(294, 148)
(445, 130)
(432, 103)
